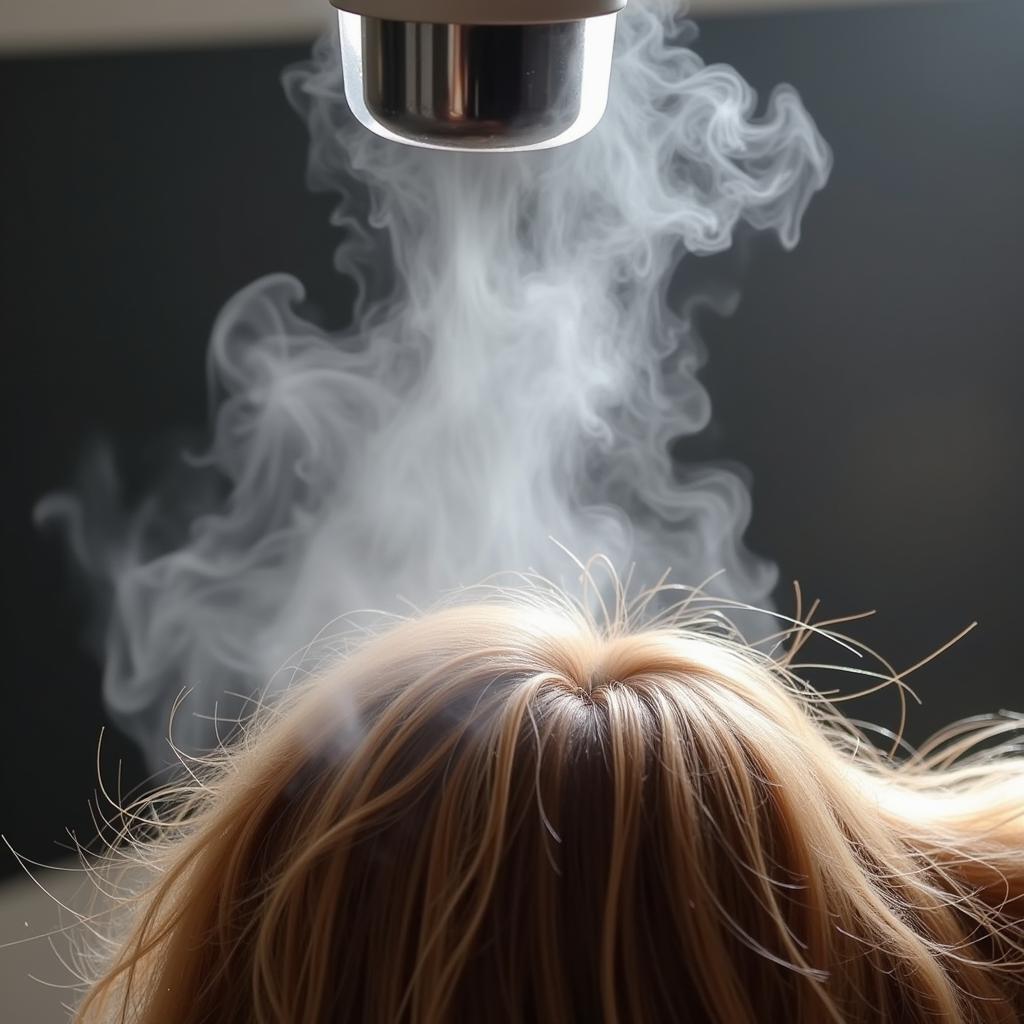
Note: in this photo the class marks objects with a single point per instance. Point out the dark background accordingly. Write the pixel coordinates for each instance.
(871, 380)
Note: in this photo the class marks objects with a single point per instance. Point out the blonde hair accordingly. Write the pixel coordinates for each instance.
(510, 812)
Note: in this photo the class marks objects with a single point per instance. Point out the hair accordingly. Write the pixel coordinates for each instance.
(517, 811)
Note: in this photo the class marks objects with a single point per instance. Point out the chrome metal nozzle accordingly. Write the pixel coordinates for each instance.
(493, 87)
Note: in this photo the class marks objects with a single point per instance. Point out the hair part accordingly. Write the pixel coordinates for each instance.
(511, 812)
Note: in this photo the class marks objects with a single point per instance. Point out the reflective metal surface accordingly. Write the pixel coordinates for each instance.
(478, 87)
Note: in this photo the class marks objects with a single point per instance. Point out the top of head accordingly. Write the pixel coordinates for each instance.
(514, 812)
(481, 12)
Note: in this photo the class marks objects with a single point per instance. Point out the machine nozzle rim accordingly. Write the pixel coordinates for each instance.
(480, 12)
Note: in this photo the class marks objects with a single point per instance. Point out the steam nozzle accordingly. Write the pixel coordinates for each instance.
(480, 75)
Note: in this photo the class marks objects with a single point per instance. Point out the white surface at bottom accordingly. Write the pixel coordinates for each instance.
(33, 982)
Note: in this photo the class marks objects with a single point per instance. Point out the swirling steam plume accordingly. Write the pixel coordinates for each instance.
(513, 372)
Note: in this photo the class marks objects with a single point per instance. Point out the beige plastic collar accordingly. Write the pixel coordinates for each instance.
(481, 12)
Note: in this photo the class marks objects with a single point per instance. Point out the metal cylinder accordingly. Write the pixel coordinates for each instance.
(480, 87)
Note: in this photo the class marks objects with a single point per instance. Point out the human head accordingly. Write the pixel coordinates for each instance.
(509, 811)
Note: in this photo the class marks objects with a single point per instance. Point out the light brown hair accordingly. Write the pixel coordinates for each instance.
(511, 812)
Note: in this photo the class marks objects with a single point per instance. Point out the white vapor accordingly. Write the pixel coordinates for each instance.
(513, 372)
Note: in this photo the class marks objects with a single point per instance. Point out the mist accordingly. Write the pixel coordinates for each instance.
(511, 380)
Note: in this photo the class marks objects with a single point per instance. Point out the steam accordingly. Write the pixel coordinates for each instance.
(513, 372)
